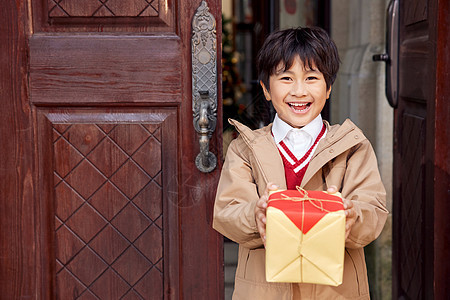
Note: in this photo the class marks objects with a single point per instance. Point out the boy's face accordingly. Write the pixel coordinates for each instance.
(298, 94)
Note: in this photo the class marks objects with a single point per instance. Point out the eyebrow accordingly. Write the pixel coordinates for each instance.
(312, 70)
(282, 70)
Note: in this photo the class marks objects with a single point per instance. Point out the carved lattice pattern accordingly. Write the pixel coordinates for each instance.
(108, 211)
(103, 8)
(411, 231)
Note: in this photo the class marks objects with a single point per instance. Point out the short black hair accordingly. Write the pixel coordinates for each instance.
(312, 44)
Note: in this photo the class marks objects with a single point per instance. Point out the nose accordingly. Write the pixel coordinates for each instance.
(298, 89)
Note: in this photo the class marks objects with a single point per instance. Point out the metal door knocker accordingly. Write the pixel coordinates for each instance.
(204, 84)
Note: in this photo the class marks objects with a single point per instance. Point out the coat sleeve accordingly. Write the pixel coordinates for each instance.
(236, 198)
(362, 184)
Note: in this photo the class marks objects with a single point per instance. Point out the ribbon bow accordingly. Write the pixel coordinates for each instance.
(306, 197)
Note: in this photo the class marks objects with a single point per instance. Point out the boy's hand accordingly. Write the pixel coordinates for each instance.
(260, 211)
(350, 213)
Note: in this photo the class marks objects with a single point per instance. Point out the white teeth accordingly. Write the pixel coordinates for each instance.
(299, 106)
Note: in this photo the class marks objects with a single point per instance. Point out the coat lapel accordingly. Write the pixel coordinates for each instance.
(265, 152)
(270, 160)
(339, 139)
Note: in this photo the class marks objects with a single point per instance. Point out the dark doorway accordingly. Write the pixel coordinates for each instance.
(244, 31)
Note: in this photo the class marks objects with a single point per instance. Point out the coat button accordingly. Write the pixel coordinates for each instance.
(356, 136)
(331, 150)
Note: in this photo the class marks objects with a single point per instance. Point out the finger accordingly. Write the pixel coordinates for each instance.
(348, 227)
(332, 189)
(262, 203)
(260, 214)
(262, 218)
(272, 187)
(348, 204)
(262, 230)
(350, 213)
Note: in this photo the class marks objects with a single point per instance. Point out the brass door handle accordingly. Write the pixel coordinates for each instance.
(204, 83)
(205, 161)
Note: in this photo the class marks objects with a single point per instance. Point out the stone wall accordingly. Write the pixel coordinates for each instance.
(358, 28)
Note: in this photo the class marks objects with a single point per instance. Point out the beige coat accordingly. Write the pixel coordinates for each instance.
(343, 158)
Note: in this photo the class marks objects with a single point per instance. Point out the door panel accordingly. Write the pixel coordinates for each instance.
(113, 217)
(410, 213)
(17, 181)
(102, 198)
(105, 16)
(104, 69)
(416, 228)
(411, 208)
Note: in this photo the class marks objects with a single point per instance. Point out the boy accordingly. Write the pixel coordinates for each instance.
(297, 68)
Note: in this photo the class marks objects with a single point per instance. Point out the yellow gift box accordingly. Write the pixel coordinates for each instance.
(305, 237)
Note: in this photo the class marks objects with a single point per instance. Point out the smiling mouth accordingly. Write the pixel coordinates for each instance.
(300, 107)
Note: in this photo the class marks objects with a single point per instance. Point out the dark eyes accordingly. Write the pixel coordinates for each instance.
(307, 78)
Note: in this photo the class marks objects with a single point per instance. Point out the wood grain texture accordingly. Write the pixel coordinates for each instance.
(17, 193)
(414, 57)
(109, 231)
(197, 190)
(97, 9)
(415, 11)
(441, 158)
(94, 75)
(97, 69)
(419, 229)
(136, 16)
(411, 208)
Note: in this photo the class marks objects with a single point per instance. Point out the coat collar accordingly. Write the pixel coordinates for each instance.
(339, 139)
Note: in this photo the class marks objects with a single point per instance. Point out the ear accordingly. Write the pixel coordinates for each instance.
(266, 92)
(329, 92)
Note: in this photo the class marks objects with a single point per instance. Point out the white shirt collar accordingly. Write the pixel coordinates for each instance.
(280, 128)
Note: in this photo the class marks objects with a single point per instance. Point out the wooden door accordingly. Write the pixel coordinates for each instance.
(100, 195)
(421, 170)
